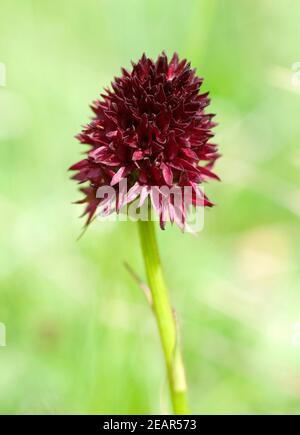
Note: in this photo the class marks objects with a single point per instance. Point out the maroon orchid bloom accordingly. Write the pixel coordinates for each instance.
(152, 130)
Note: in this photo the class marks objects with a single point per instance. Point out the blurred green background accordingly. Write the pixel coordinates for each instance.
(80, 336)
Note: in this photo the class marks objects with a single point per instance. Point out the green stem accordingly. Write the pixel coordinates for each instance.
(164, 317)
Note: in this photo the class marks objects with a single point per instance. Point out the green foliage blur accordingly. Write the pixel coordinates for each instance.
(80, 337)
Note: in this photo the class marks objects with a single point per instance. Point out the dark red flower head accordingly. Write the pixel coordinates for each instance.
(152, 130)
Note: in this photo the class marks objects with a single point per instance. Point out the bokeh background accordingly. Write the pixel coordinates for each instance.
(80, 336)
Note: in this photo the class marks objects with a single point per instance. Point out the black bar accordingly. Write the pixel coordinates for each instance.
(96, 424)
